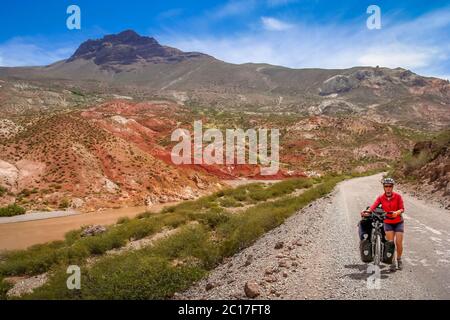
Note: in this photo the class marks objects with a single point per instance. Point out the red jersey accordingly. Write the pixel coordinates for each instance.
(394, 203)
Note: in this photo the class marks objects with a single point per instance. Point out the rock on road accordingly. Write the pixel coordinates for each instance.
(317, 254)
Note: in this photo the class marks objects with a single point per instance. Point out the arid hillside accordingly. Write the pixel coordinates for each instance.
(67, 160)
(133, 65)
(95, 130)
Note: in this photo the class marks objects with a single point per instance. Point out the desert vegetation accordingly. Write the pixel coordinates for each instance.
(11, 210)
(207, 231)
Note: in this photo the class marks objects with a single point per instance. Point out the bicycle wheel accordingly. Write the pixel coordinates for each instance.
(377, 253)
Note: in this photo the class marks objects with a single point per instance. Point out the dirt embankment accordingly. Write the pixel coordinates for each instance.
(426, 172)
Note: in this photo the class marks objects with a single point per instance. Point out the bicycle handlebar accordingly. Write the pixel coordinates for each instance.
(382, 214)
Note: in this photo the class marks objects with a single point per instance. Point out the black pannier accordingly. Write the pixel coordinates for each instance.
(388, 252)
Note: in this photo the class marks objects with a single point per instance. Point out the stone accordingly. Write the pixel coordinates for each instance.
(270, 279)
(77, 203)
(248, 261)
(110, 186)
(93, 230)
(282, 264)
(268, 271)
(279, 245)
(252, 289)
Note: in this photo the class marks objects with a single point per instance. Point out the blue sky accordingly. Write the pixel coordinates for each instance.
(415, 34)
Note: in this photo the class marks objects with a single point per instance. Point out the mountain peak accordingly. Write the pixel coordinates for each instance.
(128, 47)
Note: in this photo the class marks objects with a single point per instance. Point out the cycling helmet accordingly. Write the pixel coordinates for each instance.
(388, 181)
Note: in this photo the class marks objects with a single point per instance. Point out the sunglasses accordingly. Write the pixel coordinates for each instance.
(388, 186)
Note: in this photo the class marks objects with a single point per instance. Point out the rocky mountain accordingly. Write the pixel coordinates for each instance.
(129, 63)
(128, 48)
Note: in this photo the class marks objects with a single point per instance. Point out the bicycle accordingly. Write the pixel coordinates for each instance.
(378, 245)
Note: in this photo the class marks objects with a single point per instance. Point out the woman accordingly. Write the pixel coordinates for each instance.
(393, 226)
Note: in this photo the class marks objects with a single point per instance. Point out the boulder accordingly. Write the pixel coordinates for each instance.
(93, 230)
(77, 203)
(252, 289)
(8, 175)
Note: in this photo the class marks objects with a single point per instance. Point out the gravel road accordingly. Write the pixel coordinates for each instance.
(318, 257)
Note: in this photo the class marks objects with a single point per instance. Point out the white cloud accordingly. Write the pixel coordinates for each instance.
(275, 24)
(32, 52)
(392, 56)
(442, 76)
(397, 44)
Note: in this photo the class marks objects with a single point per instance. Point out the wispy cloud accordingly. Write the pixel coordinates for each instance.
(32, 52)
(274, 24)
(169, 14)
(232, 8)
(398, 55)
(278, 3)
(420, 44)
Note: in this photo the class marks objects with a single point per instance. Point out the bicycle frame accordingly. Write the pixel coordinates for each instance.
(377, 243)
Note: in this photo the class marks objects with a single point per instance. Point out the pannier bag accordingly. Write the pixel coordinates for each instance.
(365, 248)
(388, 252)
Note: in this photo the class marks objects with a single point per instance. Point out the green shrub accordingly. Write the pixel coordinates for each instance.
(213, 218)
(3, 191)
(280, 189)
(72, 236)
(144, 215)
(123, 220)
(12, 210)
(35, 260)
(129, 277)
(101, 243)
(4, 288)
(140, 228)
(64, 204)
(229, 202)
(174, 220)
(191, 241)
